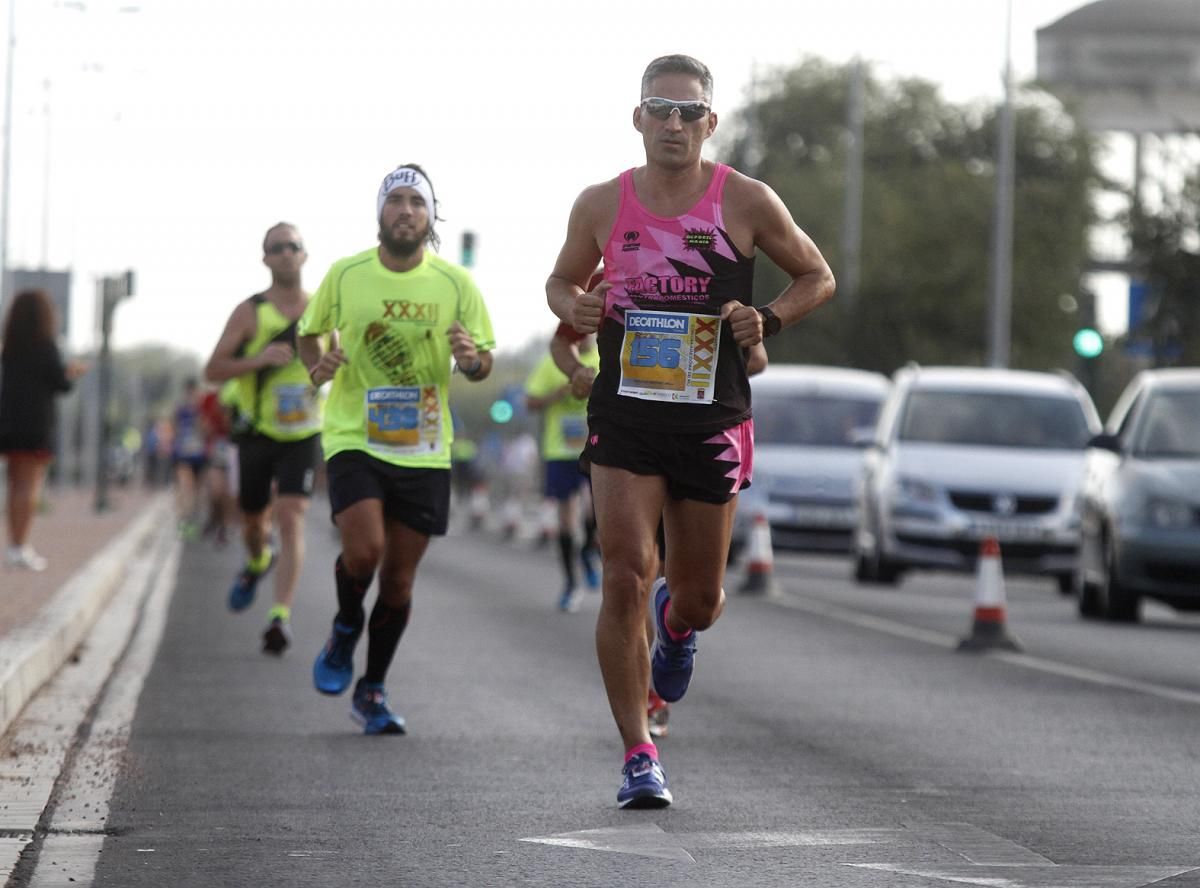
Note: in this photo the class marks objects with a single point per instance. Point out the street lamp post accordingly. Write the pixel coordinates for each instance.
(6, 169)
(112, 290)
(1000, 304)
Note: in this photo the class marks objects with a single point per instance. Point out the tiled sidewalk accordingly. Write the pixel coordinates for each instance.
(68, 533)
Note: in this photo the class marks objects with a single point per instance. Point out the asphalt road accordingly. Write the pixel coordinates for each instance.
(832, 737)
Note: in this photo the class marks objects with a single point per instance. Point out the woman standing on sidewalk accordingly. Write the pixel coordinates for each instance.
(32, 372)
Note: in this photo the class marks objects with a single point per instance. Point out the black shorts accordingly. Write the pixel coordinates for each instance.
(417, 498)
(262, 460)
(709, 467)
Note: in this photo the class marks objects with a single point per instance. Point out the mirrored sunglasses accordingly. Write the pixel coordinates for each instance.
(283, 246)
(660, 108)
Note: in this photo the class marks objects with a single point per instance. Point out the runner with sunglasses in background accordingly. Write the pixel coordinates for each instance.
(275, 426)
(669, 428)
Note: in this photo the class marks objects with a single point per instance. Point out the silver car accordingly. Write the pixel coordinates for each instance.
(807, 422)
(1141, 500)
(965, 453)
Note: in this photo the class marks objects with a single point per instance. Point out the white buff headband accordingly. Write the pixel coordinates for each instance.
(405, 177)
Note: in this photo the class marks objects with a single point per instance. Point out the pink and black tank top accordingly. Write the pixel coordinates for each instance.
(666, 360)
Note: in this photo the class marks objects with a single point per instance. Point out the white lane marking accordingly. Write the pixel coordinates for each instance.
(73, 844)
(1038, 876)
(648, 840)
(1028, 661)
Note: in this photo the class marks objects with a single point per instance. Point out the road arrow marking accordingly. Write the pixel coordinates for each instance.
(991, 861)
(647, 840)
(1038, 876)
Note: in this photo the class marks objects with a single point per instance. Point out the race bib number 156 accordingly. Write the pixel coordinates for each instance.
(669, 356)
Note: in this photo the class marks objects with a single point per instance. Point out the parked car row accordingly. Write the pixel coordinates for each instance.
(917, 471)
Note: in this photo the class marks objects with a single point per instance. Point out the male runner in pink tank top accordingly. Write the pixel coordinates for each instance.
(669, 427)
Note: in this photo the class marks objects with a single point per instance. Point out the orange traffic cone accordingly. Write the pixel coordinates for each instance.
(760, 563)
(988, 631)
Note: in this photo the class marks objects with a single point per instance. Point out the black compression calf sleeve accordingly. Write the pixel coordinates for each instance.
(350, 594)
(383, 636)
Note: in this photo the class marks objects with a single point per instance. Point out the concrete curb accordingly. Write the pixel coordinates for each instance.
(34, 653)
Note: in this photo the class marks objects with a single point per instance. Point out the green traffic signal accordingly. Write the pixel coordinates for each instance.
(501, 411)
(1088, 343)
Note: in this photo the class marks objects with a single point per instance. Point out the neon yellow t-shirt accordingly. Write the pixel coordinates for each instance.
(564, 423)
(283, 403)
(391, 399)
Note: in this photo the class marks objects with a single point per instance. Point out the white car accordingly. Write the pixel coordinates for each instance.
(1141, 500)
(809, 425)
(966, 453)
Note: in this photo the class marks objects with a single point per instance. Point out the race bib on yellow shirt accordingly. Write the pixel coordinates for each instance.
(669, 356)
(404, 419)
(296, 408)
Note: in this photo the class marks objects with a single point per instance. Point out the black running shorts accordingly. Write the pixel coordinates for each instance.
(709, 467)
(262, 461)
(417, 498)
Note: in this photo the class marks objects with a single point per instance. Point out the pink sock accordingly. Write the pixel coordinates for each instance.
(671, 633)
(648, 748)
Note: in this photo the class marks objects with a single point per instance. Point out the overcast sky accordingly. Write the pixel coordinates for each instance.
(177, 131)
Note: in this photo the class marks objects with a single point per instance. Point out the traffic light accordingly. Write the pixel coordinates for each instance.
(468, 249)
(1088, 342)
(501, 411)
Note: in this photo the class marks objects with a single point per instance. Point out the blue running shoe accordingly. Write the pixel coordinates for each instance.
(370, 710)
(241, 593)
(645, 784)
(671, 662)
(568, 602)
(587, 557)
(334, 666)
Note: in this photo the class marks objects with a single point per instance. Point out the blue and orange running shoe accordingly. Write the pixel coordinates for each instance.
(241, 593)
(644, 784)
(334, 667)
(370, 710)
(671, 662)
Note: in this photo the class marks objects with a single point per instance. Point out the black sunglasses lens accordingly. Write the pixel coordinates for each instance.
(692, 112)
